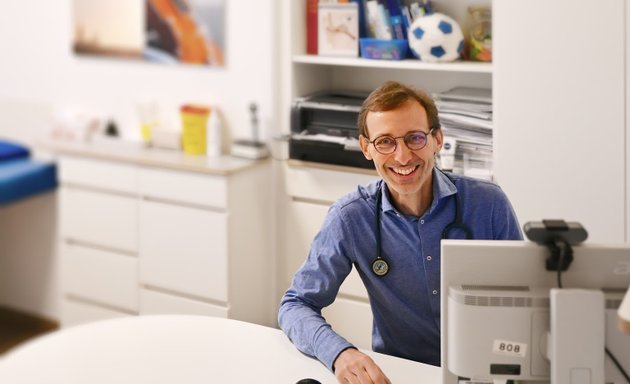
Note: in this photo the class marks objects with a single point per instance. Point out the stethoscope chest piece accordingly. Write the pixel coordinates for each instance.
(380, 267)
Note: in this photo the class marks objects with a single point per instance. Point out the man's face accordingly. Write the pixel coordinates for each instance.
(407, 173)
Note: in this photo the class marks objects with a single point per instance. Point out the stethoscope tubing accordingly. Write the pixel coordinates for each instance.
(380, 266)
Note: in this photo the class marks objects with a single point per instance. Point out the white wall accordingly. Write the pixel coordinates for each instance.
(40, 74)
(38, 69)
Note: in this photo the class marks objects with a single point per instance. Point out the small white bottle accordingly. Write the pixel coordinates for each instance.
(213, 134)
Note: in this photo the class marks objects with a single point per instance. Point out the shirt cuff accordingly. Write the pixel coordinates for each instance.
(330, 350)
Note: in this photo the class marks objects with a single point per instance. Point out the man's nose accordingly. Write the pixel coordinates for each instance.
(402, 154)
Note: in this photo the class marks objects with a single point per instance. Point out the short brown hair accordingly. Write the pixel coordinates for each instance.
(391, 95)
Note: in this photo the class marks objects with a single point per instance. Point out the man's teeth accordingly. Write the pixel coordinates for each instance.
(404, 171)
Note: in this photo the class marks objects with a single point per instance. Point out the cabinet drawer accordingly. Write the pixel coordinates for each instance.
(322, 184)
(352, 320)
(98, 174)
(184, 249)
(185, 187)
(77, 312)
(101, 276)
(97, 218)
(155, 303)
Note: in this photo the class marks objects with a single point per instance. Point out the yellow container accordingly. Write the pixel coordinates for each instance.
(146, 129)
(194, 122)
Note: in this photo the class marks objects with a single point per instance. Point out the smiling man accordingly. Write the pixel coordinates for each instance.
(390, 231)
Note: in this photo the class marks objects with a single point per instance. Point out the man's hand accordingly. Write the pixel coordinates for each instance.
(353, 367)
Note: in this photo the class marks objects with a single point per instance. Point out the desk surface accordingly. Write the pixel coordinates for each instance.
(178, 349)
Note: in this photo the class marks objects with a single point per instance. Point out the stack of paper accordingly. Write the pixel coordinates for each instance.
(466, 117)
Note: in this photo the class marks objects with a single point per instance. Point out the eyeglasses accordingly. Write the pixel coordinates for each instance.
(414, 140)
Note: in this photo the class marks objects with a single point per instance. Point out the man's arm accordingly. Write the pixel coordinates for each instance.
(315, 286)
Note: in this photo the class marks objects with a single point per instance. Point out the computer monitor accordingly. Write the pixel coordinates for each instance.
(495, 307)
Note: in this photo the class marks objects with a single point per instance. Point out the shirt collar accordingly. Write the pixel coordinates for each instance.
(442, 187)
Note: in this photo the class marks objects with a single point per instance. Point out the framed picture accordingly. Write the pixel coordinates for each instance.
(162, 31)
(338, 30)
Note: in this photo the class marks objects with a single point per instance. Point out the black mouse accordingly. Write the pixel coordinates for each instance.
(308, 381)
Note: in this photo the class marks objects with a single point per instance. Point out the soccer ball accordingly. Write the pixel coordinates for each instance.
(436, 38)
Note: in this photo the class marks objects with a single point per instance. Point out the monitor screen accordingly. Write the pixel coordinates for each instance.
(495, 307)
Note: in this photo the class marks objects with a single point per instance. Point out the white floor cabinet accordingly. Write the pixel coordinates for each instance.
(144, 238)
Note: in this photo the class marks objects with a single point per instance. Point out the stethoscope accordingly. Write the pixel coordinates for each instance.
(380, 266)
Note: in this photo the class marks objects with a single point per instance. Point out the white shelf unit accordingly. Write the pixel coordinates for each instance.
(458, 66)
(303, 74)
(560, 99)
(310, 190)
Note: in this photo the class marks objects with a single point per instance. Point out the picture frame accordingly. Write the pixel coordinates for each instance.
(159, 31)
(338, 30)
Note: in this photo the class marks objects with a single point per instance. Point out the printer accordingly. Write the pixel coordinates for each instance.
(324, 129)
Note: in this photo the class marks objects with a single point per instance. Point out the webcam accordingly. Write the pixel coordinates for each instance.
(558, 236)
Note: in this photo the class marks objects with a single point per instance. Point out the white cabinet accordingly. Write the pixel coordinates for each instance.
(101, 276)
(99, 240)
(154, 302)
(75, 312)
(560, 105)
(184, 249)
(113, 218)
(149, 236)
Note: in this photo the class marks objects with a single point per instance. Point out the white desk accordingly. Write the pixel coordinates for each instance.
(178, 349)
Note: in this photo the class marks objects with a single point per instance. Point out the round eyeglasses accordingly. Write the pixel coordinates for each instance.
(414, 140)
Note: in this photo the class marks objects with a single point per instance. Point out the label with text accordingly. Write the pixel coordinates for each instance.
(509, 348)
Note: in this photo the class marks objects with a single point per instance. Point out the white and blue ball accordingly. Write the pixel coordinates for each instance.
(436, 38)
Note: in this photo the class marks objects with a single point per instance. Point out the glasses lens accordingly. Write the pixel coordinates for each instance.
(416, 140)
(385, 144)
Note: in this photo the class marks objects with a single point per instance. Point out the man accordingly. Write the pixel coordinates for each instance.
(413, 207)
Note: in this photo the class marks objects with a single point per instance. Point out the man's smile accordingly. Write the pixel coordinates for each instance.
(404, 171)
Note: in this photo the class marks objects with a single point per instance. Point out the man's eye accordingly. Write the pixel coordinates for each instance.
(385, 141)
(416, 138)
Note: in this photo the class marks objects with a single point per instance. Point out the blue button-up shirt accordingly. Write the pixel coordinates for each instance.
(406, 302)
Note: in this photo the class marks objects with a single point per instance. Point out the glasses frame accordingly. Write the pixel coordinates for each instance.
(426, 134)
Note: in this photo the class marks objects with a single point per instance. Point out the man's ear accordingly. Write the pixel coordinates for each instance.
(439, 140)
(364, 143)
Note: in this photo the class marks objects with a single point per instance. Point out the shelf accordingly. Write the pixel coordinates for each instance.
(458, 66)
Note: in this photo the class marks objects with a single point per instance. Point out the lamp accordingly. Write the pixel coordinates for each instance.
(624, 313)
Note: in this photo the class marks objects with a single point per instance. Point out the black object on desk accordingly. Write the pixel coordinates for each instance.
(308, 381)
(111, 129)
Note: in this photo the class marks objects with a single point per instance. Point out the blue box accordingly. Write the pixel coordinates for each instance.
(384, 49)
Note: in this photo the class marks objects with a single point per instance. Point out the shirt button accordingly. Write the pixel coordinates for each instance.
(429, 257)
(435, 291)
(422, 221)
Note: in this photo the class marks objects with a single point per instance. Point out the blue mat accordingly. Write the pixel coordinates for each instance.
(22, 177)
(9, 150)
